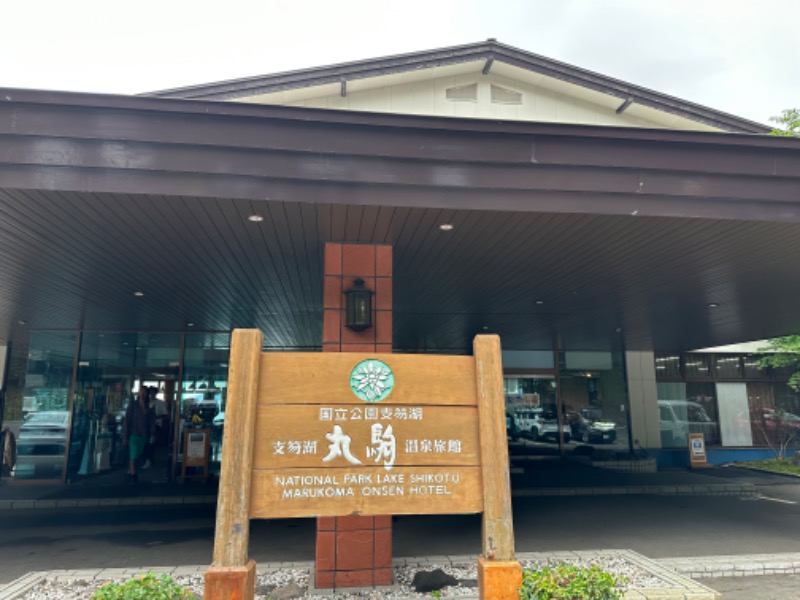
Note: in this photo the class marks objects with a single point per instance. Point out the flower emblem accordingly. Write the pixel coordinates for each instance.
(372, 380)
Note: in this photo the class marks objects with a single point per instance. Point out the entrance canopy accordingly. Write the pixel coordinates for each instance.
(585, 235)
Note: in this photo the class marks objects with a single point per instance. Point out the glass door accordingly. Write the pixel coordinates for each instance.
(112, 367)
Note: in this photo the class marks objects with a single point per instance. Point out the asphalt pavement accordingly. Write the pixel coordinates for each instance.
(163, 532)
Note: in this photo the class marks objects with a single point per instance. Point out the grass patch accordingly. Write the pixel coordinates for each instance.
(776, 465)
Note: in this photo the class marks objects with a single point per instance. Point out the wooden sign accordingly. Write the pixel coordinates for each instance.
(340, 434)
(333, 434)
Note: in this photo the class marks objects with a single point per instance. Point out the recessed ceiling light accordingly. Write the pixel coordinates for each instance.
(485, 328)
(138, 294)
(447, 227)
(21, 322)
(540, 302)
(255, 218)
(712, 305)
(190, 324)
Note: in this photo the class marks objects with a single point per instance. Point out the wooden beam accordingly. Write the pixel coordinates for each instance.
(624, 106)
(232, 533)
(343, 91)
(487, 67)
(498, 527)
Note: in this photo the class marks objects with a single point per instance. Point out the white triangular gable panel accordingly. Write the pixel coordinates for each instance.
(425, 92)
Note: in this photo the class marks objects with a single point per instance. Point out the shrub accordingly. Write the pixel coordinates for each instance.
(145, 587)
(568, 582)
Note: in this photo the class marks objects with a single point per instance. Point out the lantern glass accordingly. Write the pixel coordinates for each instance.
(358, 307)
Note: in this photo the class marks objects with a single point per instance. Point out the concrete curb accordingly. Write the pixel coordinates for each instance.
(735, 566)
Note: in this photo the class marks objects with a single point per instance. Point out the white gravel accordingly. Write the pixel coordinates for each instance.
(273, 583)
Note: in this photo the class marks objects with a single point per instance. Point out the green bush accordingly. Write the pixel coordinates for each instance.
(145, 587)
(568, 582)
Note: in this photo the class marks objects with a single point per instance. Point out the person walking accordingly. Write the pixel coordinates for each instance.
(139, 429)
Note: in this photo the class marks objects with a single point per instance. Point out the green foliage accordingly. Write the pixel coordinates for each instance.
(775, 465)
(789, 121)
(145, 587)
(436, 593)
(786, 354)
(568, 582)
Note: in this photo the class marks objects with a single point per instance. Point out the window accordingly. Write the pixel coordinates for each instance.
(752, 370)
(697, 366)
(463, 93)
(729, 367)
(504, 95)
(668, 366)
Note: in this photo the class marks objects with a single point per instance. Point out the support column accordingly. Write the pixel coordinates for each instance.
(640, 368)
(355, 551)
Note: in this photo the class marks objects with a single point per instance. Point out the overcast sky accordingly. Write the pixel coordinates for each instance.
(739, 56)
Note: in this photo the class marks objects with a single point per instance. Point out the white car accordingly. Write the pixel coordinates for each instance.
(531, 423)
(41, 445)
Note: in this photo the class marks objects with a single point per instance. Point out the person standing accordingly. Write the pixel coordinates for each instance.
(139, 429)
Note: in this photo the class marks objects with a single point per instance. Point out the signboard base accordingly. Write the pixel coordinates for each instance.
(499, 579)
(231, 583)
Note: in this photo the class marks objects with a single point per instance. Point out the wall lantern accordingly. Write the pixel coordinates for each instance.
(358, 307)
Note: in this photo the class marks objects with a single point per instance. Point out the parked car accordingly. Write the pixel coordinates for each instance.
(679, 418)
(590, 428)
(536, 424)
(41, 445)
(774, 419)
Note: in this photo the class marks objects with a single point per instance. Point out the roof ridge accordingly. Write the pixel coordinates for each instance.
(488, 50)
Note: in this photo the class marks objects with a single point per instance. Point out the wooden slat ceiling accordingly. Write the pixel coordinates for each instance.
(73, 260)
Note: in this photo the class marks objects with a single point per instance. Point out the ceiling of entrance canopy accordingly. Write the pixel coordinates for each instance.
(78, 260)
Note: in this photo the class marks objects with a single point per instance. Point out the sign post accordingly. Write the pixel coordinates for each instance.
(362, 434)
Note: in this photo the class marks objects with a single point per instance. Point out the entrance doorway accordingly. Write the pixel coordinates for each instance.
(112, 367)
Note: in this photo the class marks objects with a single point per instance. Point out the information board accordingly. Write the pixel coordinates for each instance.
(386, 436)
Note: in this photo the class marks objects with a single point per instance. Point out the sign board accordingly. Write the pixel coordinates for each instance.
(334, 434)
(697, 450)
(196, 445)
(365, 434)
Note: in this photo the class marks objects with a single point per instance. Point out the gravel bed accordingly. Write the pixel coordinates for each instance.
(293, 583)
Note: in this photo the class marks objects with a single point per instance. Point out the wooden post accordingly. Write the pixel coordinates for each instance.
(232, 576)
(499, 575)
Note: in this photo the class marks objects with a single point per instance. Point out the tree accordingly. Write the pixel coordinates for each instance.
(789, 123)
(784, 353)
(778, 427)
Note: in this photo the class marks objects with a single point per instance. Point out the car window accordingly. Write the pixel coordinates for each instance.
(697, 414)
(665, 413)
(40, 450)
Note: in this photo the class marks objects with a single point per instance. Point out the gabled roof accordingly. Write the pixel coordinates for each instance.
(488, 52)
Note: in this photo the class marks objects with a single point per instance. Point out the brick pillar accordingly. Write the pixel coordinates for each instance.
(355, 551)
